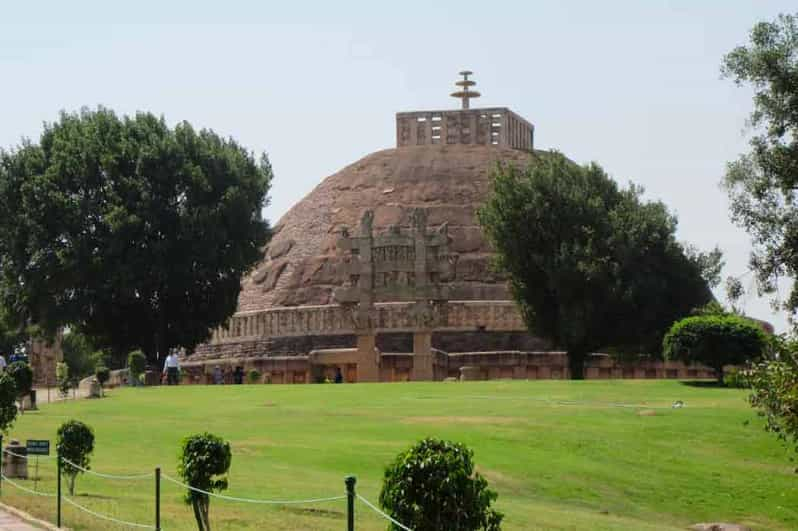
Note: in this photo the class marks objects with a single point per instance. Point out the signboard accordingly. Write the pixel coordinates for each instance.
(37, 447)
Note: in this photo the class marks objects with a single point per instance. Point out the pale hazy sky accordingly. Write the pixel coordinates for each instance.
(634, 86)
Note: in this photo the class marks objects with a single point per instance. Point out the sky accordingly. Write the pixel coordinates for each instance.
(634, 86)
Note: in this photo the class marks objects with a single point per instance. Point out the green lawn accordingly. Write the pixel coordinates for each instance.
(561, 455)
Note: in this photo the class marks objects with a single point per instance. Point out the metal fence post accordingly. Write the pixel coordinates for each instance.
(350, 502)
(58, 508)
(158, 499)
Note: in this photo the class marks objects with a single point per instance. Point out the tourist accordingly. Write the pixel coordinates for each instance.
(171, 367)
(238, 375)
(218, 377)
(2, 363)
(339, 377)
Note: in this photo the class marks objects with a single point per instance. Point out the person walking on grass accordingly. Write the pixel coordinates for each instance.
(170, 367)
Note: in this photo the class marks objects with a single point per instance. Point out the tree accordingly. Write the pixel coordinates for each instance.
(762, 183)
(591, 265)
(202, 458)
(433, 487)
(75, 445)
(774, 380)
(8, 399)
(136, 233)
(79, 354)
(23, 380)
(136, 365)
(715, 341)
(102, 373)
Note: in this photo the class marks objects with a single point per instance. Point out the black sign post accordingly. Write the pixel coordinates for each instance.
(37, 447)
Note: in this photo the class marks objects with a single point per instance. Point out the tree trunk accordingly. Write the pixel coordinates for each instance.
(195, 504)
(205, 506)
(576, 363)
(72, 484)
(719, 374)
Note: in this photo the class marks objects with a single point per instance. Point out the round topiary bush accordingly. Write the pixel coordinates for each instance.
(202, 458)
(22, 375)
(75, 445)
(433, 487)
(136, 365)
(715, 341)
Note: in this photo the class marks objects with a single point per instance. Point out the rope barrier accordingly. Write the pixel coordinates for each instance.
(107, 476)
(251, 500)
(25, 489)
(105, 516)
(9, 452)
(376, 510)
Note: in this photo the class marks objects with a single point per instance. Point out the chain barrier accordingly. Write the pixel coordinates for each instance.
(251, 500)
(376, 510)
(105, 516)
(107, 476)
(25, 489)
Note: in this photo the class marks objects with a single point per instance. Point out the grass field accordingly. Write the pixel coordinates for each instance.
(561, 455)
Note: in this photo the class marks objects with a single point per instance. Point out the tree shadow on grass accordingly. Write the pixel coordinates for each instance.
(704, 384)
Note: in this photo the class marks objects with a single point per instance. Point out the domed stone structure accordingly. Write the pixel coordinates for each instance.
(382, 272)
(449, 182)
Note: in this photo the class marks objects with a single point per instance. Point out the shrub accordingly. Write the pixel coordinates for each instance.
(102, 373)
(433, 486)
(8, 398)
(738, 378)
(136, 365)
(202, 458)
(253, 376)
(23, 379)
(62, 378)
(75, 445)
(714, 340)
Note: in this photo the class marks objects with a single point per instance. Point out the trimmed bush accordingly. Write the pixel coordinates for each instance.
(136, 365)
(23, 380)
(62, 378)
(253, 376)
(715, 341)
(433, 487)
(203, 457)
(75, 445)
(102, 373)
(8, 398)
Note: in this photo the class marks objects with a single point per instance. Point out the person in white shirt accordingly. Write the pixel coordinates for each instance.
(170, 368)
(2, 363)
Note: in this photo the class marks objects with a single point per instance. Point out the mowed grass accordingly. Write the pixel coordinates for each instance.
(561, 455)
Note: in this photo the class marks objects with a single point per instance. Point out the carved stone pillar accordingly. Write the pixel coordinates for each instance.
(422, 356)
(368, 359)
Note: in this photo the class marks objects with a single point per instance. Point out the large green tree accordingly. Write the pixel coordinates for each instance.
(762, 183)
(135, 232)
(591, 265)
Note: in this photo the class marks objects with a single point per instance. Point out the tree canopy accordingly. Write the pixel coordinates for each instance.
(135, 232)
(592, 265)
(762, 183)
(433, 486)
(715, 340)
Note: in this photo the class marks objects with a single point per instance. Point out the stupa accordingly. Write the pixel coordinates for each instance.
(382, 272)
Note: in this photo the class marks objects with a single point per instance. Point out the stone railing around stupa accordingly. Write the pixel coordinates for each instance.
(335, 319)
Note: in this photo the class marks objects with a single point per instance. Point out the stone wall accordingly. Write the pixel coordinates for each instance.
(398, 367)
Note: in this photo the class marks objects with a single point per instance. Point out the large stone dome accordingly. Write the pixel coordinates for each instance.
(450, 182)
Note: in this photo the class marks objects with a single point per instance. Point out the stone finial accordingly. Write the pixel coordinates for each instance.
(465, 94)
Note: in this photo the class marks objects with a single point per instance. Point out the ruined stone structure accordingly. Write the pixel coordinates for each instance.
(382, 271)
